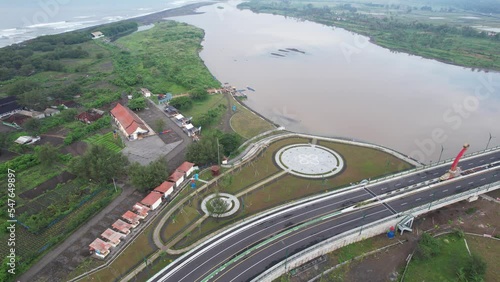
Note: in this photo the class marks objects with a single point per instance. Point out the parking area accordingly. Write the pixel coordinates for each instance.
(147, 150)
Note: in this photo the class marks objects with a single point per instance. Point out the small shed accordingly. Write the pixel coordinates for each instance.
(215, 170)
(153, 200)
(176, 177)
(131, 218)
(166, 188)
(187, 168)
(171, 111)
(112, 237)
(122, 226)
(146, 92)
(99, 249)
(51, 112)
(96, 34)
(141, 209)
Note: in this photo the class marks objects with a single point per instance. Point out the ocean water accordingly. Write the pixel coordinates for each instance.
(26, 19)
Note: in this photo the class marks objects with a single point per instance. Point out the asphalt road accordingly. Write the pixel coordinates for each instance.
(202, 263)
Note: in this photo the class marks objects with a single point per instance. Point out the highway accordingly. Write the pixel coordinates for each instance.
(293, 236)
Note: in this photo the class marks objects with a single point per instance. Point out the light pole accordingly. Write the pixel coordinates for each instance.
(488, 144)
(218, 154)
(440, 154)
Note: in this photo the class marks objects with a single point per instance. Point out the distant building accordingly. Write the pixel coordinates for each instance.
(97, 34)
(122, 227)
(9, 106)
(153, 200)
(187, 168)
(176, 177)
(132, 218)
(171, 111)
(129, 123)
(112, 237)
(166, 188)
(51, 112)
(68, 104)
(90, 116)
(214, 91)
(99, 248)
(15, 120)
(146, 92)
(141, 209)
(32, 114)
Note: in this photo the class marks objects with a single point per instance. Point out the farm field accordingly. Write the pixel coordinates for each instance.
(107, 140)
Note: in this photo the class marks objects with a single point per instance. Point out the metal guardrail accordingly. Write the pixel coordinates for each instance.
(268, 274)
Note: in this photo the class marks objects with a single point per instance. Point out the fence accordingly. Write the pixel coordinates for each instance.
(369, 230)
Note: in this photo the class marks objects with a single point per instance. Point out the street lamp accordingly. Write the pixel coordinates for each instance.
(488, 144)
(441, 154)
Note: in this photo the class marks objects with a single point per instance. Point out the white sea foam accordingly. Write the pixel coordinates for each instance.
(84, 17)
(12, 32)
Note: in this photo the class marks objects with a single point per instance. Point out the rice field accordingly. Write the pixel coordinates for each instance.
(107, 140)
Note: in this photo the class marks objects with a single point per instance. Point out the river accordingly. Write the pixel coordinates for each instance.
(345, 86)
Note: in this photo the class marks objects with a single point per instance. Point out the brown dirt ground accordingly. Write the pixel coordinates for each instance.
(47, 185)
(480, 217)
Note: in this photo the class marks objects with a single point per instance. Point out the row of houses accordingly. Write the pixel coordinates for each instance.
(111, 237)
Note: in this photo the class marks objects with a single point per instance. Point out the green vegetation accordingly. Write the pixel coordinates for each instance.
(206, 151)
(397, 30)
(438, 259)
(489, 249)
(107, 140)
(99, 164)
(247, 124)
(146, 178)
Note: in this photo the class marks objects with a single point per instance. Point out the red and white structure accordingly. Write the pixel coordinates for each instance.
(177, 177)
(132, 126)
(113, 237)
(99, 249)
(132, 218)
(166, 188)
(153, 200)
(455, 170)
(187, 168)
(141, 209)
(122, 226)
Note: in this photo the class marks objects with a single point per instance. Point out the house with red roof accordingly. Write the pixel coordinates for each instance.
(141, 209)
(166, 188)
(89, 116)
(99, 248)
(129, 123)
(113, 237)
(132, 218)
(177, 177)
(122, 227)
(153, 200)
(187, 168)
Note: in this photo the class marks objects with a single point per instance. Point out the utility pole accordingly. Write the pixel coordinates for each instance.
(440, 154)
(488, 144)
(218, 154)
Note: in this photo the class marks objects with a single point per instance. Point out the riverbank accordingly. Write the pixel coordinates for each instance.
(449, 43)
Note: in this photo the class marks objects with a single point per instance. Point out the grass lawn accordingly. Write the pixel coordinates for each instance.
(179, 221)
(247, 124)
(442, 267)
(361, 163)
(489, 249)
(201, 107)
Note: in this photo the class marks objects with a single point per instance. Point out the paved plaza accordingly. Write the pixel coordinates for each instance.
(310, 161)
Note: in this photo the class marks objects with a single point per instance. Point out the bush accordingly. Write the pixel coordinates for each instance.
(428, 247)
(182, 103)
(475, 268)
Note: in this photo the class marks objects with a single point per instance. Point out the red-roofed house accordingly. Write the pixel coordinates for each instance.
(187, 168)
(122, 226)
(132, 218)
(129, 123)
(141, 209)
(112, 237)
(99, 248)
(166, 188)
(153, 200)
(89, 117)
(177, 177)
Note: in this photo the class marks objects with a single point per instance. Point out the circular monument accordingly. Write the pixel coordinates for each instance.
(220, 205)
(310, 161)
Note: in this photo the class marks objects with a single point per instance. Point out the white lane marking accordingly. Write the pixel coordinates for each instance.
(313, 235)
(471, 163)
(445, 190)
(482, 179)
(431, 195)
(383, 189)
(459, 186)
(403, 204)
(397, 184)
(436, 173)
(418, 199)
(481, 161)
(213, 245)
(472, 182)
(492, 158)
(411, 180)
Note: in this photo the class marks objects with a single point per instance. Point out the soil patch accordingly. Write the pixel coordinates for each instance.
(75, 149)
(47, 185)
(6, 155)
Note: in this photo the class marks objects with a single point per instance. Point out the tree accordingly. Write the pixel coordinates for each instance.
(69, 114)
(199, 94)
(148, 177)
(475, 268)
(160, 125)
(230, 142)
(217, 206)
(204, 151)
(99, 164)
(137, 104)
(33, 126)
(47, 154)
(182, 103)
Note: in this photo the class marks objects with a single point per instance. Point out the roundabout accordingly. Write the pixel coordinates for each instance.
(309, 161)
(220, 205)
